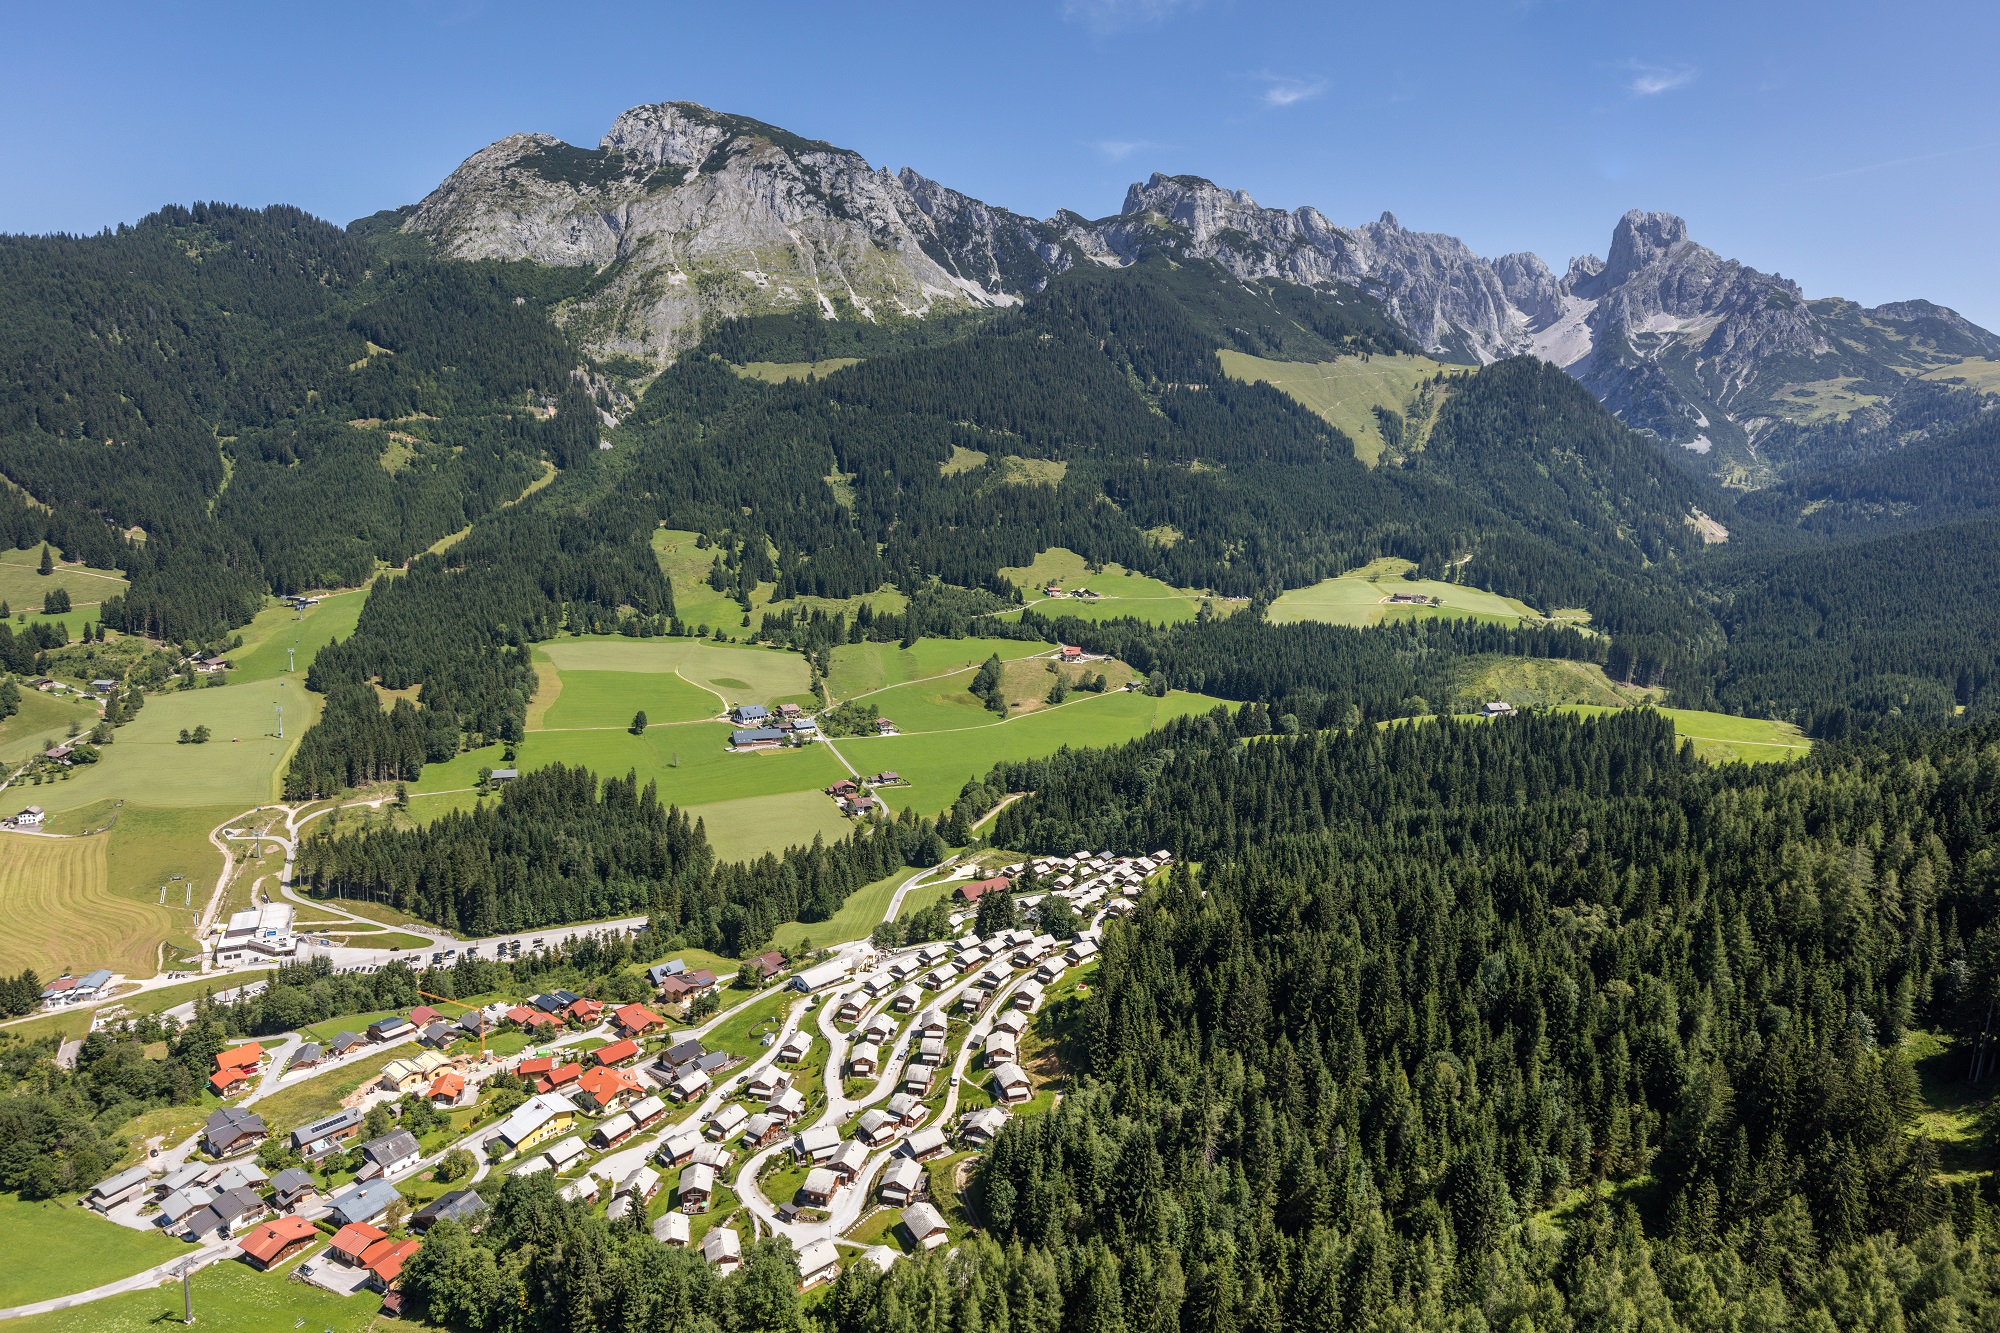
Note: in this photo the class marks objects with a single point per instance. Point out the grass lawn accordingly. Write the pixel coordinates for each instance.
(43, 721)
(937, 764)
(320, 1095)
(746, 828)
(1721, 737)
(742, 1034)
(862, 668)
(686, 566)
(228, 1296)
(882, 1225)
(1952, 1110)
(1360, 598)
(585, 700)
(23, 589)
(1346, 392)
(734, 674)
(146, 764)
(58, 1248)
(856, 919)
(1121, 592)
(783, 1175)
(278, 627)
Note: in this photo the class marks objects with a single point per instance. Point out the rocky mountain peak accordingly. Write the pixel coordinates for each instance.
(680, 134)
(1640, 239)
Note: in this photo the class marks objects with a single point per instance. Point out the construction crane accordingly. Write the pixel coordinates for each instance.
(463, 1005)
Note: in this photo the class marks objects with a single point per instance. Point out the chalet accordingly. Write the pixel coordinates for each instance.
(727, 1121)
(1081, 952)
(641, 1183)
(884, 727)
(352, 1241)
(565, 1153)
(762, 1130)
(274, 1242)
(390, 1155)
(844, 787)
(672, 1229)
(231, 1130)
(613, 1131)
(817, 1144)
(423, 1016)
(980, 1127)
(307, 1056)
(124, 1187)
(907, 999)
(907, 1108)
(391, 1029)
(789, 1105)
(902, 1181)
(697, 1188)
(937, 978)
(847, 1160)
(1498, 708)
(618, 1053)
(850, 1008)
(535, 1067)
(1029, 996)
(554, 1002)
(766, 1083)
(1000, 1049)
(723, 1249)
(881, 1030)
(439, 1035)
(1011, 1084)
(685, 986)
(182, 1204)
(748, 714)
(325, 1135)
(931, 1051)
(362, 1202)
(385, 1259)
(1013, 1023)
(635, 1020)
(931, 1026)
(865, 1059)
(659, 972)
(888, 777)
(584, 1013)
(535, 1121)
(821, 1184)
(1071, 652)
(462, 1206)
(795, 1047)
(584, 1189)
(819, 1262)
(973, 890)
(925, 1144)
(606, 1089)
(768, 965)
(713, 1155)
(876, 1127)
(756, 738)
(925, 1226)
(235, 1068)
(679, 1150)
(560, 1079)
(1050, 972)
(292, 1187)
(647, 1111)
(681, 1053)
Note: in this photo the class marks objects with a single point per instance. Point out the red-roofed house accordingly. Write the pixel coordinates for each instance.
(423, 1016)
(385, 1259)
(586, 1012)
(539, 1022)
(274, 1242)
(973, 891)
(686, 985)
(352, 1241)
(769, 964)
(559, 1077)
(1071, 653)
(634, 1019)
(605, 1089)
(520, 1014)
(617, 1053)
(447, 1088)
(535, 1068)
(235, 1068)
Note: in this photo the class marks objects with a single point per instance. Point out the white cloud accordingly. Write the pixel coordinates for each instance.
(1117, 150)
(1285, 90)
(1652, 80)
(1108, 16)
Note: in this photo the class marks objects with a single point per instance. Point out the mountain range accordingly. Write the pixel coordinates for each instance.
(687, 215)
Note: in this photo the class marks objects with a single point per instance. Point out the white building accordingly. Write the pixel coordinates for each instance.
(257, 933)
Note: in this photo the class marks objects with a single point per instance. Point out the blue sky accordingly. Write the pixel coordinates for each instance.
(1852, 147)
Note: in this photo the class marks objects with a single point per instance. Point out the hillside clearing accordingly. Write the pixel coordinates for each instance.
(1360, 598)
(1346, 392)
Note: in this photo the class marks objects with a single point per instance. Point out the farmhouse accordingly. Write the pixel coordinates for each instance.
(607, 1089)
(235, 1068)
(821, 976)
(1498, 708)
(974, 890)
(635, 1020)
(618, 1053)
(748, 714)
(756, 738)
(768, 965)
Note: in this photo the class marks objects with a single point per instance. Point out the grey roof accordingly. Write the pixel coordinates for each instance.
(393, 1147)
(683, 1051)
(290, 1182)
(308, 1054)
(922, 1219)
(749, 712)
(333, 1124)
(457, 1206)
(713, 1061)
(231, 1123)
(753, 735)
(124, 1180)
(344, 1043)
(363, 1202)
(185, 1201)
(225, 1211)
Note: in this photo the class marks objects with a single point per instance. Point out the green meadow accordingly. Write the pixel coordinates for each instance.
(863, 668)
(1722, 737)
(1343, 393)
(1120, 592)
(23, 589)
(43, 720)
(731, 673)
(594, 700)
(1360, 598)
(279, 627)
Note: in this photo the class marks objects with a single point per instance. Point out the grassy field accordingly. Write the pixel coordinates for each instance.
(291, 1107)
(1360, 598)
(731, 673)
(42, 721)
(1121, 592)
(23, 589)
(58, 1248)
(855, 920)
(746, 828)
(278, 627)
(779, 372)
(1540, 682)
(1345, 393)
(229, 1297)
(936, 764)
(146, 764)
(863, 668)
(686, 565)
(1977, 372)
(1953, 1110)
(1720, 737)
(593, 700)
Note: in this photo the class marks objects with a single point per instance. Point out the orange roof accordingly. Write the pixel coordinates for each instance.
(586, 1008)
(224, 1081)
(541, 1064)
(267, 1242)
(637, 1018)
(601, 1085)
(385, 1259)
(520, 1013)
(448, 1085)
(562, 1074)
(239, 1057)
(354, 1239)
(617, 1051)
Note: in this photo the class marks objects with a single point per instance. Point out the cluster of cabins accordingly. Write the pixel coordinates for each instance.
(761, 728)
(856, 796)
(1089, 879)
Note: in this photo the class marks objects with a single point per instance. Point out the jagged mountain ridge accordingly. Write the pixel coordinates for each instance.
(692, 215)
